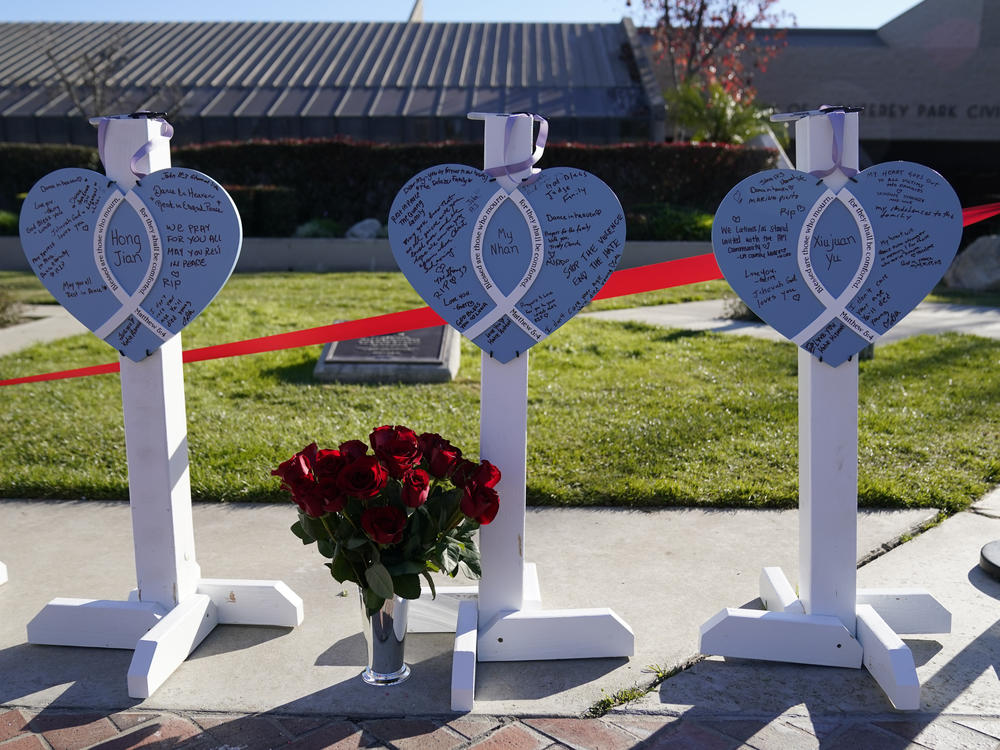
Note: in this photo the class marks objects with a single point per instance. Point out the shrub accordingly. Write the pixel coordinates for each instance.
(320, 228)
(265, 210)
(658, 221)
(8, 223)
(736, 309)
(278, 185)
(698, 176)
(26, 163)
(710, 113)
(10, 309)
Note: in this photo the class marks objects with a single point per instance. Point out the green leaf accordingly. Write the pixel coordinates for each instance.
(471, 564)
(379, 580)
(314, 527)
(327, 548)
(301, 533)
(373, 602)
(430, 582)
(406, 567)
(471, 569)
(356, 541)
(407, 586)
(448, 561)
(342, 570)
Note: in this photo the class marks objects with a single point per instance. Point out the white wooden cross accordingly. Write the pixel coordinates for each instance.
(173, 608)
(830, 622)
(507, 622)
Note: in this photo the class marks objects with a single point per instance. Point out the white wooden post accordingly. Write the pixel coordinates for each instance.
(503, 415)
(3, 573)
(155, 418)
(173, 608)
(511, 624)
(830, 622)
(828, 430)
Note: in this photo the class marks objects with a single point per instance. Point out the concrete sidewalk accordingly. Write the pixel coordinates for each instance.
(665, 572)
(710, 315)
(46, 323)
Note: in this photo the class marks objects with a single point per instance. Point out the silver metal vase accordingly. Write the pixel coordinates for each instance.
(385, 635)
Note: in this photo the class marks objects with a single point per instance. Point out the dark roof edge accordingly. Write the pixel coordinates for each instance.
(647, 76)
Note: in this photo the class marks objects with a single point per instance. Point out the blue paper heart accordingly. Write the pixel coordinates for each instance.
(135, 268)
(506, 270)
(834, 271)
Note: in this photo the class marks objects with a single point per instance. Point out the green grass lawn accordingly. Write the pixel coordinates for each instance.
(618, 414)
(24, 287)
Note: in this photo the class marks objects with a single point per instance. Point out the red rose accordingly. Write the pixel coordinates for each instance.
(396, 447)
(416, 486)
(486, 475)
(480, 504)
(384, 525)
(308, 497)
(353, 449)
(441, 456)
(363, 477)
(310, 452)
(464, 469)
(333, 499)
(294, 472)
(469, 474)
(328, 463)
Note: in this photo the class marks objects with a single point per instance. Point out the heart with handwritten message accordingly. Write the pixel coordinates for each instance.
(136, 267)
(506, 270)
(833, 271)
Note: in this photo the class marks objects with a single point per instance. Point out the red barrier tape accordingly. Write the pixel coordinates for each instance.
(979, 213)
(629, 281)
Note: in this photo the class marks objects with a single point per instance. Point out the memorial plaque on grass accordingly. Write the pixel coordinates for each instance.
(425, 355)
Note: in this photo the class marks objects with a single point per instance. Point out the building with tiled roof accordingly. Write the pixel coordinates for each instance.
(408, 81)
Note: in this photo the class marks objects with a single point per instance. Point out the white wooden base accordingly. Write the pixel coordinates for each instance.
(94, 623)
(248, 602)
(780, 636)
(3, 574)
(908, 610)
(463, 665)
(530, 635)
(163, 638)
(166, 646)
(784, 633)
(440, 614)
(777, 593)
(888, 659)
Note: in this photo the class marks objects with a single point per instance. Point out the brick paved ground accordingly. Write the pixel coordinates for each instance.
(21, 729)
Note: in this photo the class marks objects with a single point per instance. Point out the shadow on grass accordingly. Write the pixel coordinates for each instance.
(300, 374)
(678, 334)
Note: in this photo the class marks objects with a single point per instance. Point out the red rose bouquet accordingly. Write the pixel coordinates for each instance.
(385, 518)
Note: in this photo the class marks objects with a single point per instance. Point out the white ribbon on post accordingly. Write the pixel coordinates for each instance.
(130, 302)
(836, 308)
(505, 302)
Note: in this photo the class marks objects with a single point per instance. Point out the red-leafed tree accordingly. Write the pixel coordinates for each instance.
(723, 41)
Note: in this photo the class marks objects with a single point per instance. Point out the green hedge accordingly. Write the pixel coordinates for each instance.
(347, 181)
(23, 164)
(265, 210)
